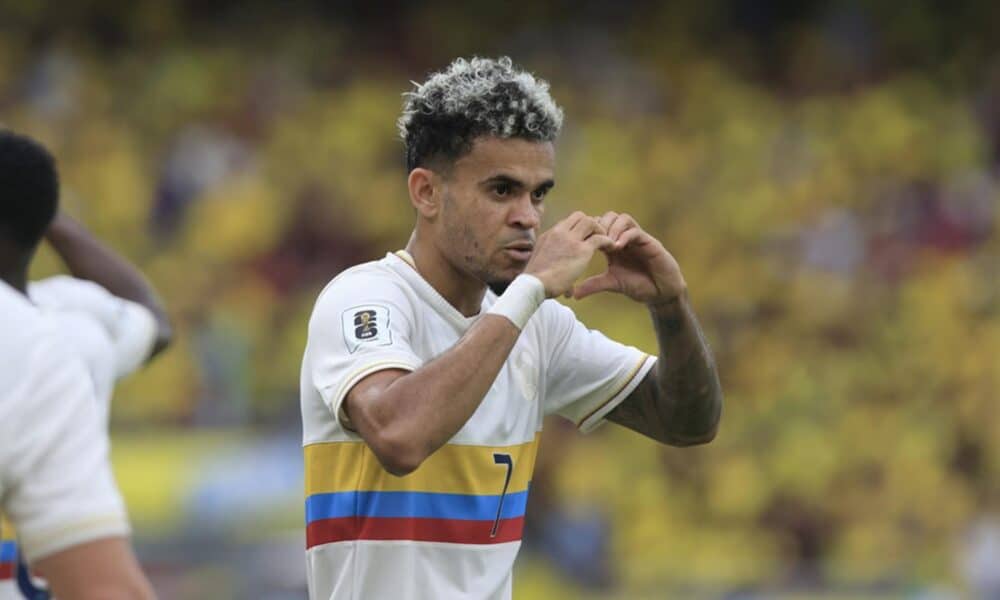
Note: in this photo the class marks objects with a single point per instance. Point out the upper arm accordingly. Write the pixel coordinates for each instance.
(358, 343)
(363, 402)
(586, 373)
(648, 411)
(133, 330)
(638, 411)
(135, 337)
(104, 569)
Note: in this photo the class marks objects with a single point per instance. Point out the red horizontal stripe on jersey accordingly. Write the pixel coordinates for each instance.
(453, 531)
(7, 570)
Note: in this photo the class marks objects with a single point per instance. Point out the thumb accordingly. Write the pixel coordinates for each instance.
(599, 241)
(605, 282)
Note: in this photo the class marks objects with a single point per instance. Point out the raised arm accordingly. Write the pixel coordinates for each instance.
(405, 416)
(88, 258)
(680, 401)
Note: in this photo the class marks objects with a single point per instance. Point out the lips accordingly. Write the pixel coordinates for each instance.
(520, 251)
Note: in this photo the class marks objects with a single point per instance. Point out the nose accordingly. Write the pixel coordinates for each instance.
(524, 214)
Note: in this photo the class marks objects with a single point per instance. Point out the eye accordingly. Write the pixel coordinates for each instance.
(501, 189)
(539, 194)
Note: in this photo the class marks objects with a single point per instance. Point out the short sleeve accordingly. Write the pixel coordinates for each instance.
(587, 374)
(130, 326)
(361, 324)
(58, 488)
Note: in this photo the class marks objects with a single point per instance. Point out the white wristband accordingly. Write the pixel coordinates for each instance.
(520, 300)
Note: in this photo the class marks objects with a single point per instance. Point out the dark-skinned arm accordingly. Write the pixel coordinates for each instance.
(680, 401)
(88, 258)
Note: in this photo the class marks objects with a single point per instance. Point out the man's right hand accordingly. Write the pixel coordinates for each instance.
(563, 252)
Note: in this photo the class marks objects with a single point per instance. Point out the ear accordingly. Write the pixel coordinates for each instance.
(425, 192)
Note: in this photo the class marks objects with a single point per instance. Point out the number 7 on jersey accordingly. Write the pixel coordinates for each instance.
(502, 459)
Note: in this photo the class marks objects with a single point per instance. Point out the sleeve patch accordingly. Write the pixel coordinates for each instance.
(367, 325)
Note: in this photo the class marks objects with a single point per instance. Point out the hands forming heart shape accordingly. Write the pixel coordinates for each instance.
(639, 266)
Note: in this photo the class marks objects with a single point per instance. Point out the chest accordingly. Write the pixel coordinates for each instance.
(511, 411)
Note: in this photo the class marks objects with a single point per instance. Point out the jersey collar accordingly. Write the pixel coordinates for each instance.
(402, 262)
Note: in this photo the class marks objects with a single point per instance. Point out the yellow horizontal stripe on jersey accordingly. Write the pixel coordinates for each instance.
(453, 469)
(6, 529)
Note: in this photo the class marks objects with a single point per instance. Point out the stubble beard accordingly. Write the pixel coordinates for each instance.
(470, 257)
(474, 261)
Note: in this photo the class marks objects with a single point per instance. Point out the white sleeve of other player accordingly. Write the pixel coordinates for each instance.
(56, 482)
(586, 375)
(361, 324)
(130, 326)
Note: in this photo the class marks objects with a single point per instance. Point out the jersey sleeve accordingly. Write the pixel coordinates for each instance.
(587, 374)
(57, 484)
(361, 324)
(130, 326)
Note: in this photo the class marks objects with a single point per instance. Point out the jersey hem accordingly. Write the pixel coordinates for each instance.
(336, 402)
(596, 416)
(55, 540)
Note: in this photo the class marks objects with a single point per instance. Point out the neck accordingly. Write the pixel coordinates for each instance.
(15, 275)
(461, 290)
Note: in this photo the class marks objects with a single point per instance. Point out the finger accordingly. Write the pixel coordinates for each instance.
(599, 228)
(604, 282)
(600, 241)
(623, 223)
(573, 220)
(588, 227)
(630, 236)
(583, 222)
(607, 219)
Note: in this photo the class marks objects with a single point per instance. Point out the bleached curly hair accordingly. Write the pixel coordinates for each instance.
(443, 116)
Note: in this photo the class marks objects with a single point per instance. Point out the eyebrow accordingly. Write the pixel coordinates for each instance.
(517, 183)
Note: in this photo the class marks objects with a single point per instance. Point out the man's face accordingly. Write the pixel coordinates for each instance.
(492, 209)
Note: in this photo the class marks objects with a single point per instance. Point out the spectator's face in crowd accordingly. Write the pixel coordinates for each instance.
(493, 199)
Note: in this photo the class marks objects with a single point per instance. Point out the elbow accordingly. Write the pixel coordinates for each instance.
(697, 438)
(399, 444)
(396, 454)
(701, 433)
(164, 335)
(398, 467)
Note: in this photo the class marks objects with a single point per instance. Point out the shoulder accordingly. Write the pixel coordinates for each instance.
(374, 275)
(81, 309)
(20, 321)
(55, 290)
(368, 283)
(553, 315)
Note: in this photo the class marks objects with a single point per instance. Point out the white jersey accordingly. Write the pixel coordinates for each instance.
(113, 336)
(452, 528)
(110, 336)
(56, 484)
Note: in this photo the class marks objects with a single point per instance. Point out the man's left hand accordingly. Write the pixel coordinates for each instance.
(638, 265)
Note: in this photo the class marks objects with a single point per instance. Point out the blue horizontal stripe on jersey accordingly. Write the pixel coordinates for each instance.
(426, 505)
(8, 551)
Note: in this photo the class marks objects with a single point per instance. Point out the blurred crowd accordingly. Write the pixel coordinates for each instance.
(828, 179)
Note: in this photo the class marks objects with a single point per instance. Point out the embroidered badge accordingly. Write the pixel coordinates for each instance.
(366, 325)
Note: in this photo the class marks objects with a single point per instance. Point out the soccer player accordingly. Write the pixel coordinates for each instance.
(423, 392)
(112, 316)
(56, 485)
